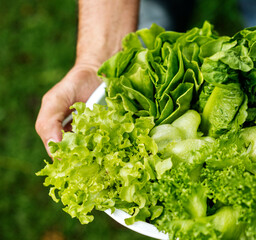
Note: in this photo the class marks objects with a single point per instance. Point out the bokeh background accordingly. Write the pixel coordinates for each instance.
(37, 48)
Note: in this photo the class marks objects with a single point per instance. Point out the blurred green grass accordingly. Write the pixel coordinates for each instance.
(37, 48)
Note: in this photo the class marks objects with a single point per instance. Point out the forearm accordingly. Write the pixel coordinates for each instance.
(101, 27)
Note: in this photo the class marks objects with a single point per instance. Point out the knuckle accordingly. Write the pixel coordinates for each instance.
(46, 98)
(38, 126)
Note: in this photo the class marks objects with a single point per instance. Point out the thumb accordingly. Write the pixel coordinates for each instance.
(49, 129)
(49, 120)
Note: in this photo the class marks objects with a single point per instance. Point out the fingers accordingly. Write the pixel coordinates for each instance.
(54, 109)
(76, 86)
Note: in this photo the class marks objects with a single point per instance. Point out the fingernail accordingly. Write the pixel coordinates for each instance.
(51, 140)
(48, 148)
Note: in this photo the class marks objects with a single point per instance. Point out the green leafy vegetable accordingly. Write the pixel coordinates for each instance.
(159, 80)
(225, 109)
(175, 145)
(105, 162)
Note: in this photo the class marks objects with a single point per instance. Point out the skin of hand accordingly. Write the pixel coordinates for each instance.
(102, 25)
(76, 86)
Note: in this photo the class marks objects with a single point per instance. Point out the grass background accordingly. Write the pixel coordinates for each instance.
(37, 48)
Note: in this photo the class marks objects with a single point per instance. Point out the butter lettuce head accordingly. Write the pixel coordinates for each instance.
(164, 73)
(160, 79)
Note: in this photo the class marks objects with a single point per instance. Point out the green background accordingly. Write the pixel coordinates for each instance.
(37, 48)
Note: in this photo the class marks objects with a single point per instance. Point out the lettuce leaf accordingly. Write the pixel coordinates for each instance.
(224, 110)
(102, 163)
(161, 80)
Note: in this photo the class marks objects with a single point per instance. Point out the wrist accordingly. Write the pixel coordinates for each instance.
(86, 63)
(86, 59)
(101, 27)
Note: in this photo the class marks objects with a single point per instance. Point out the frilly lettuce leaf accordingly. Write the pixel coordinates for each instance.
(105, 158)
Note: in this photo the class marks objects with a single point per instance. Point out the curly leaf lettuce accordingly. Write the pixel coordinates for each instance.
(104, 162)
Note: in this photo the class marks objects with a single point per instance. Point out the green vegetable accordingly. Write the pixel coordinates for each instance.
(159, 80)
(175, 145)
(225, 109)
(105, 162)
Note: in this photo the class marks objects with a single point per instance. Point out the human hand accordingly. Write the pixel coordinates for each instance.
(76, 86)
(101, 27)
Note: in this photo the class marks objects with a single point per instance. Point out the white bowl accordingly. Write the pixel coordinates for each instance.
(144, 228)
